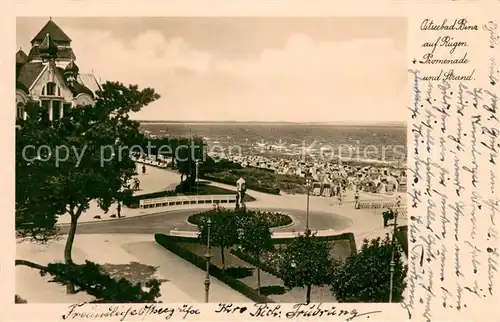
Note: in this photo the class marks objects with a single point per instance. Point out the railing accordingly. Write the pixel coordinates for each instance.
(186, 200)
(376, 204)
(150, 162)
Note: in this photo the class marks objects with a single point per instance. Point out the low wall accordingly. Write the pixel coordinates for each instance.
(186, 200)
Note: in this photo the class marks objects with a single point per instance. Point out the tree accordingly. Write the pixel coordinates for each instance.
(306, 262)
(89, 277)
(365, 277)
(223, 230)
(255, 238)
(187, 151)
(82, 160)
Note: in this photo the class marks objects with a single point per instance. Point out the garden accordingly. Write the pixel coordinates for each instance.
(246, 257)
(258, 180)
(274, 219)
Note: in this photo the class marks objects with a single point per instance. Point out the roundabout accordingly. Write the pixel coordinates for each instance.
(164, 222)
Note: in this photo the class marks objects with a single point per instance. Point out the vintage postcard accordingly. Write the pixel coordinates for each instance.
(281, 161)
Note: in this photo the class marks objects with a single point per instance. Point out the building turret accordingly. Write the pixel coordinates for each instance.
(48, 48)
(71, 72)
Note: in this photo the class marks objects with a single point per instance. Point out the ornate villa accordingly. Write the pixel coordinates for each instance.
(49, 75)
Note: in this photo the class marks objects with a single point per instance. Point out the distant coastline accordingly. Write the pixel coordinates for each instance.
(374, 124)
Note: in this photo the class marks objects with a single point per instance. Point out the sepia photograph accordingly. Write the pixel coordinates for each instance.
(211, 160)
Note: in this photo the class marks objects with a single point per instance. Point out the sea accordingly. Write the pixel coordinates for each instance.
(293, 140)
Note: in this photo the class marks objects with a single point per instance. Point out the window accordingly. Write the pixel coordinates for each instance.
(45, 109)
(51, 89)
(20, 111)
(66, 107)
(56, 110)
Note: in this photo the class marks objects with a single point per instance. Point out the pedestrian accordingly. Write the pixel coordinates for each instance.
(356, 199)
(143, 169)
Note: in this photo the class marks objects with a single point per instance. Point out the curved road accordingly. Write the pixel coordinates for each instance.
(176, 219)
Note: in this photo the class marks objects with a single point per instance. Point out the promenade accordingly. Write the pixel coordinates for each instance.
(121, 241)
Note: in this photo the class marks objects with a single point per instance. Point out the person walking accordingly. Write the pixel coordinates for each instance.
(356, 199)
(143, 169)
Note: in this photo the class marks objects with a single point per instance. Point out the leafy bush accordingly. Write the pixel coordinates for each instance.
(365, 277)
(92, 279)
(402, 238)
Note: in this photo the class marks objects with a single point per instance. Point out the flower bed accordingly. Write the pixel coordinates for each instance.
(275, 219)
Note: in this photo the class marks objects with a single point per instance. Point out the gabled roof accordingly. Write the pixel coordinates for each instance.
(90, 82)
(28, 73)
(57, 34)
(21, 57)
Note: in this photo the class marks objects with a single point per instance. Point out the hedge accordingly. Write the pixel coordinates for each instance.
(402, 238)
(170, 244)
(274, 191)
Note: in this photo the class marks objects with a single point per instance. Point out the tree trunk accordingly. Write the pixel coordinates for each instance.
(119, 209)
(70, 288)
(258, 272)
(308, 294)
(223, 258)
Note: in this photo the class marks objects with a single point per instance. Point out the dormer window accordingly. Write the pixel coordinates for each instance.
(51, 89)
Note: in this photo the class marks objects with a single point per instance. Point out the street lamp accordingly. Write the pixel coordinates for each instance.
(197, 177)
(393, 262)
(207, 258)
(308, 189)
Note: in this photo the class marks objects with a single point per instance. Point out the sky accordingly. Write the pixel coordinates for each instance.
(287, 69)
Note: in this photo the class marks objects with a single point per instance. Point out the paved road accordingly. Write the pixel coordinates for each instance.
(166, 221)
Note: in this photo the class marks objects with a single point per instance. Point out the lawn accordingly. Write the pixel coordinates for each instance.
(260, 180)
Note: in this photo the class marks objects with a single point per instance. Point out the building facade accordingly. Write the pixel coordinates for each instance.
(49, 75)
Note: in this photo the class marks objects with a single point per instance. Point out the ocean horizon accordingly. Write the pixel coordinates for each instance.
(375, 142)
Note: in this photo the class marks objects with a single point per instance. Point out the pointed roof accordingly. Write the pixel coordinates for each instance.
(48, 46)
(21, 57)
(72, 67)
(54, 30)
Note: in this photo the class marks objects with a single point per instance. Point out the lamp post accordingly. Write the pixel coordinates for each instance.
(308, 189)
(197, 162)
(393, 262)
(208, 255)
